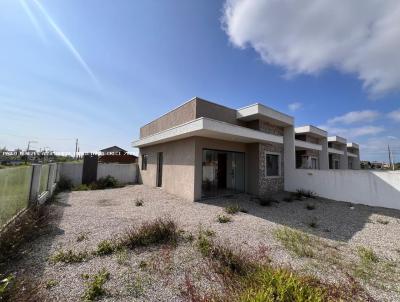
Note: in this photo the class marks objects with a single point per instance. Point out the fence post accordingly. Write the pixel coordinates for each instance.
(52, 178)
(35, 183)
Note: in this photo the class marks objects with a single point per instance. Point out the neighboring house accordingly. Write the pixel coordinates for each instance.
(116, 154)
(202, 149)
(114, 150)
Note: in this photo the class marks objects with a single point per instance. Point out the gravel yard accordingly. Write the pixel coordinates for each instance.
(336, 232)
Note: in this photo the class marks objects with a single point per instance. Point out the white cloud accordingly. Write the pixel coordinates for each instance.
(355, 117)
(307, 36)
(295, 106)
(395, 115)
(352, 133)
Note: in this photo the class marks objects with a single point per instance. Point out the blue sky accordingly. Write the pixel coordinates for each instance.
(97, 71)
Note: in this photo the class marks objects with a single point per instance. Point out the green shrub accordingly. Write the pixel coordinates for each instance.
(105, 247)
(232, 209)
(69, 256)
(51, 283)
(157, 232)
(268, 284)
(95, 286)
(64, 184)
(367, 255)
(223, 219)
(105, 183)
(82, 187)
(297, 242)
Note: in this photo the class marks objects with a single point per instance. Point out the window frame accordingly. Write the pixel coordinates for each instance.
(316, 163)
(145, 158)
(279, 165)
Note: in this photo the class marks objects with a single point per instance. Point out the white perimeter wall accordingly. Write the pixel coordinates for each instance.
(124, 173)
(381, 189)
(72, 171)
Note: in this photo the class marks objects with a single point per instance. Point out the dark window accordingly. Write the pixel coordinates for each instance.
(272, 163)
(144, 161)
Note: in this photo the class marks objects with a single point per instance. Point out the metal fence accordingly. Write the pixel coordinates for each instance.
(15, 184)
(21, 187)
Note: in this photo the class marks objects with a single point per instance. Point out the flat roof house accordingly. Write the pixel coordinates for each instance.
(201, 149)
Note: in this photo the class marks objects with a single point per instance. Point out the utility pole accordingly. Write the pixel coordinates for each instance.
(76, 147)
(391, 163)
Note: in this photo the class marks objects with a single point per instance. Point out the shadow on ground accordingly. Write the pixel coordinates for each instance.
(334, 220)
(28, 263)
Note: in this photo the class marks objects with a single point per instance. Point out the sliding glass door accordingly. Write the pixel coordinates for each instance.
(223, 172)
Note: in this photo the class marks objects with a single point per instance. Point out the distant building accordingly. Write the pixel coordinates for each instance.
(116, 154)
(114, 150)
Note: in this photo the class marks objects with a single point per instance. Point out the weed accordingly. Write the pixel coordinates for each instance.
(288, 198)
(105, 247)
(382, 221)
(82, 187)
(64, 184)
(4, 284)
(297, 242)
(267, 284)
(24, 228)
(310, 206)
(139, 202)
(300, 193)
(367, 255)
(51, 283)
(157, 232)
(135, 288)
(105, 183)
(209, 233)
(69, 257)
(81, 237)
(313, 223)
(223, 219)
(232, 209)
(95, 286)
(366, 268)
(85, 276)
(267, 201)
(143, 264)
(243, 210)
(122, 256)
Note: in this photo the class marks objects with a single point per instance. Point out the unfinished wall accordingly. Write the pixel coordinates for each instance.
(178, 167)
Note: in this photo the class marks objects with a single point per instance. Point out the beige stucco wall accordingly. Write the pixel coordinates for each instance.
(189, 111)
(178, 167)
(178, 116)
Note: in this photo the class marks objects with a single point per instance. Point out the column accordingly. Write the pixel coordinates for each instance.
(324, 155)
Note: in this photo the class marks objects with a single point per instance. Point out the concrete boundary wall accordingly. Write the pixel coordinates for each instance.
(123, 173)
(380, 189)
(72, 171)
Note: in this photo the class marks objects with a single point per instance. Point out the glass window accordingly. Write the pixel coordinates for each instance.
(336, 164)
(144, 161)
(314, 163)
(272, 164)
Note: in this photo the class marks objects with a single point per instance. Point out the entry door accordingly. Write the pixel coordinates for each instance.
(221, 173)
(159, 168)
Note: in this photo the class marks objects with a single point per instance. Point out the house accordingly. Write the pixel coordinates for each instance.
(116, 154)
(114, 150)
(202, 149)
